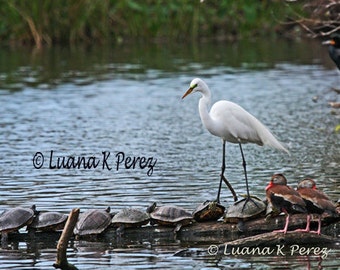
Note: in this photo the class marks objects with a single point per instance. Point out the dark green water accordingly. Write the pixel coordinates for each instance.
(126, 101)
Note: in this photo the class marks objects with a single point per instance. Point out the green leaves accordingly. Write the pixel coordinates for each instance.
(78, 21)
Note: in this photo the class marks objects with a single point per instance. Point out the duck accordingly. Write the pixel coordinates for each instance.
(316, 202)
(284, 198)
(334, 48)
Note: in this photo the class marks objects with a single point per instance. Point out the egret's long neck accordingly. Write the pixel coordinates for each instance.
(203, 107)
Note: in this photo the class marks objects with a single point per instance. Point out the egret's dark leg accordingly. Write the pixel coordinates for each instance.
(222, 172)
(246, 177)
(224, 179)
(245, 170)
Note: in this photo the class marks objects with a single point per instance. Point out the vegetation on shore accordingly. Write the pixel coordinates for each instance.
(49, 22)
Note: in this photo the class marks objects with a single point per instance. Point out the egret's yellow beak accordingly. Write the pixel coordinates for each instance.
(329, 42)
(188, 92)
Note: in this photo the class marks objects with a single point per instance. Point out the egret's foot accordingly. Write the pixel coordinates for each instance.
(250, 196)
(247, 200)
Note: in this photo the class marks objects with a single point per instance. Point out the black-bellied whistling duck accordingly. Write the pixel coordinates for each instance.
(316, 202)
(334, 48)
(284, 198)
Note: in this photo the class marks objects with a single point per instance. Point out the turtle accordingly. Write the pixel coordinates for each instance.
(208, 210)
(92, 222)
(170, 216)
(13, 219)
(271, 211)
(129, 218)
(243, 210)
(48, 222)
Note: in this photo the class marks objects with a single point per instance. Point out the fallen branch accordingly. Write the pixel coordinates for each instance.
(321, 18)
(61, 261)
(220, 232)
(205, 232)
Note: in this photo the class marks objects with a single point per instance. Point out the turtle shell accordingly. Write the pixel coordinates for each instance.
(16, 218)
(92, 222)
(208, 211)
(170, 215)
(245, 210)
(48, 221)
(130, 217)
(271, 211)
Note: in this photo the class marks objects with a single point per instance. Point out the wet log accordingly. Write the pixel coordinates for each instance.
(220, 232)
(201, 232)
(61, 261)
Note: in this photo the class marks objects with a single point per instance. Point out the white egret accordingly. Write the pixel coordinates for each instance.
(231, 123)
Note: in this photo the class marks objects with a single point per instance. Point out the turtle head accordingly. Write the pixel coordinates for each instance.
(151, 208)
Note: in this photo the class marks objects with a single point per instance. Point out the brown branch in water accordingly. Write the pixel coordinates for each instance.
(61, 261)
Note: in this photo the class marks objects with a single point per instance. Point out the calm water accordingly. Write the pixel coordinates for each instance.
(111, 104)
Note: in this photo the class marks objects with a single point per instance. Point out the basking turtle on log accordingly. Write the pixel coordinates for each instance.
(129, 218)
(208, 211)
(48, 222)
(241, 211)
(92, 222)
(13, 219)
(169, 215)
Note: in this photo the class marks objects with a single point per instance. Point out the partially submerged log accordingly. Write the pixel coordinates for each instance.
(258, 238)
(204, 232)
(219, 231)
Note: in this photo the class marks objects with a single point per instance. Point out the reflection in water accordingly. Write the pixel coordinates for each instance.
(127, 100)
(82, 66)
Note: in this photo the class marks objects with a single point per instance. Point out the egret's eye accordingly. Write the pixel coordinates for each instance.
(194, 86)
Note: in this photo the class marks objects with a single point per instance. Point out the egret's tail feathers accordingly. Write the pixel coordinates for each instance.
(269, 139)
(278, 145)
